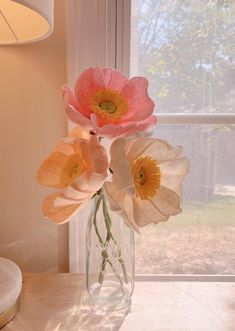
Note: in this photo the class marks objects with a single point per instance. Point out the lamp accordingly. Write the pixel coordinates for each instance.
(24, 21)
(10, 288)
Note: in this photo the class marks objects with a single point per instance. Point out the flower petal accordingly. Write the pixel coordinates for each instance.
(122, 203)
(76, 117)
(113, 79)
(145, 212)
(87, 83)
(167, 201)
(71, 100)
(68, 96)
(120, 166)
(140, 106)
(158, 149)
(112, 131)
(98, 156)
(58, 214)
(173, 173)
(49, 173)
(89, 182)
(134, 91)
(72, 195)
(79, 132)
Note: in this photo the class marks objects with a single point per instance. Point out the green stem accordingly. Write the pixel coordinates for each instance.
(95, 219)
(108, 226)
(103, 265)
(115, 272)
(105, 257)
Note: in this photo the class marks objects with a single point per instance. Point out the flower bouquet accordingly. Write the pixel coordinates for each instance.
(138, 180)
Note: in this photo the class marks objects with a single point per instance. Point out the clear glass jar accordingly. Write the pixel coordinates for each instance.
(110, 257)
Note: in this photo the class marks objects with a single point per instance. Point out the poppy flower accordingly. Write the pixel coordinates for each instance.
(147, 180)
(78, 166)
(105, 102)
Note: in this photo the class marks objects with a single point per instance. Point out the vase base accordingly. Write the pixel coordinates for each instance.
(109, 296)
(100, 306)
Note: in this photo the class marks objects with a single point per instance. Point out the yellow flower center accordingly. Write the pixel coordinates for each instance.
(71, 169)
(147, 177)
(109, 104)
(108, 107)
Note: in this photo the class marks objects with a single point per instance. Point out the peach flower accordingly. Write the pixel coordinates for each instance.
(147, 180)
(107, 103)
(78, 166)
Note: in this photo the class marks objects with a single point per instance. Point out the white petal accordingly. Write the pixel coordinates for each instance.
(157, 149)
(120, 202)
(122, 177)
(145, 212)
(173, 173)
(167, 201)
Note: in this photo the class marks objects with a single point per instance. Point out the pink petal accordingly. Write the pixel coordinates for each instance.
(108, 131)
(112, 131)
(88, 82)
(114, 79)
(71, 101)
(133, 127)
(150, 121)
(140, 106)
(78, 118)
(68, 96)
(92, 80)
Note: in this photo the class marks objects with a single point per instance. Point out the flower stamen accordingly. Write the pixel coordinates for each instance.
(142, 176)
(147, 177)
(74, 170)
(108, 104)
(71, 169)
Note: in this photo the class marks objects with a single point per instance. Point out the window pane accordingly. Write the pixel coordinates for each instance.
(201, 240)
(186, 50)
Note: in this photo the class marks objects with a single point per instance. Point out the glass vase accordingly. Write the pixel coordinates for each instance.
(110, 257)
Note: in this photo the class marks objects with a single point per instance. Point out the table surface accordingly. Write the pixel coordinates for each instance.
(55, 302)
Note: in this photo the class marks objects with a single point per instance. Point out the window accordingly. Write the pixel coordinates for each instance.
(185, 49)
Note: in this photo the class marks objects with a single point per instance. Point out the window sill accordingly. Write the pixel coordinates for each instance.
(55, 301)
(182, 305)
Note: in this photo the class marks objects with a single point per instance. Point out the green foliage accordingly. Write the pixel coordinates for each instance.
(187, 51)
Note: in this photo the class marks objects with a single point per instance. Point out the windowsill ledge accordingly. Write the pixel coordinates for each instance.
(53, 302)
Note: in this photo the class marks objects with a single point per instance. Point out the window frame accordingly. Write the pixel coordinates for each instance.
(107, 42)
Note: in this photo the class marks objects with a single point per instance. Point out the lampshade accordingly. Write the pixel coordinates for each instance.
(24, 21)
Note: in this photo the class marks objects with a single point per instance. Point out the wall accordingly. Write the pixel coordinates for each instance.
(31, 121)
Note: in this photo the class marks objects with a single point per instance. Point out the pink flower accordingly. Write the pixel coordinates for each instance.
(78, 166)
(147, 180)
(106, 102)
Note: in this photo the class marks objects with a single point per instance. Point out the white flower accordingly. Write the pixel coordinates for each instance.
(147, 180)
